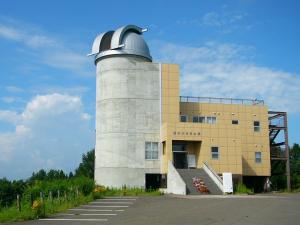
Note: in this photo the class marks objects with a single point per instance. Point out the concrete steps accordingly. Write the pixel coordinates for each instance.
(189, 174)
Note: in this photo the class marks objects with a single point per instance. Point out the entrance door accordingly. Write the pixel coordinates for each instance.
(191, 160)
(180, 160)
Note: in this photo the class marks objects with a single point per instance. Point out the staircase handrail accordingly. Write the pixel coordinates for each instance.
(213, 175)
(175, 183)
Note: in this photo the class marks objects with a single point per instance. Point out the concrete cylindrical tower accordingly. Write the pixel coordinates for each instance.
(127, 107)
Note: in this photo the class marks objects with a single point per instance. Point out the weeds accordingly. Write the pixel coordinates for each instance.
(242, 189)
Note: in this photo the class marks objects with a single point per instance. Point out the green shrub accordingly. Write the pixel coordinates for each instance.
(73, 192)
(240, 188)
(84, 184)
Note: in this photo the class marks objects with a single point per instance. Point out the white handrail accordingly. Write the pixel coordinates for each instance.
(175, 183)
(213, 175)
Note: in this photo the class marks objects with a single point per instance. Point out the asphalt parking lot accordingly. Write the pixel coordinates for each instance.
(177, 210)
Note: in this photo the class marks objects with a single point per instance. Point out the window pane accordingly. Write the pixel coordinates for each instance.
(256, 129)
(213, 120)
(148, 146)
(151, 150)
(154, 155)
(195, 119)
(215, 156)
(235, 122)
(154, 146)
(258, 157)
(148, 155)
(215, 149)
(214, 152)
(209, 119)
(256, 126)
(201, 119)
(183, 118)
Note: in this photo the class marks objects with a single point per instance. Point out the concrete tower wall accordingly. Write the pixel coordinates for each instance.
(127, 115)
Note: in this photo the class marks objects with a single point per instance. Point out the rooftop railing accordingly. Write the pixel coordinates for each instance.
(221, 100)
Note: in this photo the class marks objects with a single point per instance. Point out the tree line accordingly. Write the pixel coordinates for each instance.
(42, 178)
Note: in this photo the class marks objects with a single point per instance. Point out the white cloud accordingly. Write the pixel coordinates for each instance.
(8, 99)
(223, 70)
(47, 49)
(30, 39)
(52, 132)
(14, 89)
(9, 116)
(225, 21)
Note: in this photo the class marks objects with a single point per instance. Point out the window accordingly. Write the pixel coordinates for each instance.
(201, 119)
(256, 125)
(258, 157)
(211, 119)
(195, 119)
(235, 122)
(183, 118)
(215, 152)
(198, 119)
(151, 150)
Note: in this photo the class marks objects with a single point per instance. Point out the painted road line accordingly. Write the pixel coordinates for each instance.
(117, 199)
(98, 210)
(106, 206)
(86, 214)
(131, 198)
(67, 219)
(111, 202)
(97, 214)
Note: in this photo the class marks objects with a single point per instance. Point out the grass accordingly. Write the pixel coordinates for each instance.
(49, 207)
(242, 189)
(56, 205)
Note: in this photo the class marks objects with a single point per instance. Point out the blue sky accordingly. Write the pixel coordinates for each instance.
(242, 48)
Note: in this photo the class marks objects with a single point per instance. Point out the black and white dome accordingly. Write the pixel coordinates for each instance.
(126, 40)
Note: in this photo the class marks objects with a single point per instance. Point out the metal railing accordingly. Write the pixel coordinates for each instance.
(213, 175)
(221, 100)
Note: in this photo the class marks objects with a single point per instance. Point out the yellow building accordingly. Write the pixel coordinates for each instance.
(231, 135)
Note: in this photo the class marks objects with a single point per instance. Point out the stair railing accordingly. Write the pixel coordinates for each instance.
(175, 183)
(213, 175)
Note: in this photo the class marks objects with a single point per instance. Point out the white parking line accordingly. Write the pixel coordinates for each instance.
(98, 210)
(87, 214)
(131, 198)
(106, 202)
(97, 214)
(67, 219)
(106, 206)
(117, 199)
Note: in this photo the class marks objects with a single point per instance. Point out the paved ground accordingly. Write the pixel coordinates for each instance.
(176, 210)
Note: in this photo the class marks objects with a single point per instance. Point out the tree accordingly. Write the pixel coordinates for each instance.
(71, 175)
(86, 167)
(279, 170)
(56, 175)
(295, 166)
(40, 175)
(6, 192)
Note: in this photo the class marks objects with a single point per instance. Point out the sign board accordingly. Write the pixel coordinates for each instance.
(191, 160)
(227, 183)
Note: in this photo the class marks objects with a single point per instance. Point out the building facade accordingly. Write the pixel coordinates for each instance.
(143, 124)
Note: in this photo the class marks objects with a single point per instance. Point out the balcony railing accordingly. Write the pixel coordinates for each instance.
(221, 100)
